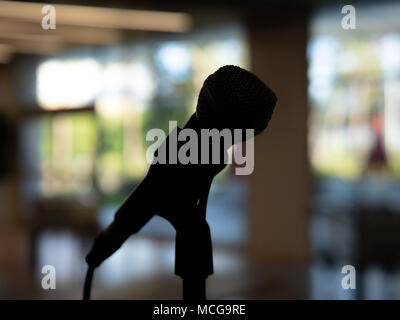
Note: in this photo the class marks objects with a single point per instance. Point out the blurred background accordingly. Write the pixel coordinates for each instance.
(76, 103)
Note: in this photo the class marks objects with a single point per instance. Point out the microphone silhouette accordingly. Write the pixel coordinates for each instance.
(231, 98)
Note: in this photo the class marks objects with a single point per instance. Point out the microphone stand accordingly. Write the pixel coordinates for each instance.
(183, 192)
(193, 251)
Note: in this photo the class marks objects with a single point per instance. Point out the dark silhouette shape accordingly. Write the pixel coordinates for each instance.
(231, 98)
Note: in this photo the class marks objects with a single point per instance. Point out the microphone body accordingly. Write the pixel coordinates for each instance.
(231, 98)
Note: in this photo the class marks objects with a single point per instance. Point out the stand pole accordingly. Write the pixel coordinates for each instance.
(193, 259)
(194, 289)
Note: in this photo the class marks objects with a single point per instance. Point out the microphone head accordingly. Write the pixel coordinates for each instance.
(234, 98)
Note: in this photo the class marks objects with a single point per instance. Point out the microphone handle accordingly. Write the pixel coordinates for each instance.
(125, 223)
(137, 209)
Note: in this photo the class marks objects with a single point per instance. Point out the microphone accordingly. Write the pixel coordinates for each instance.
(231, 98)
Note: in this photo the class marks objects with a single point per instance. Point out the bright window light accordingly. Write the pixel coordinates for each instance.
(141, 81)
(174, 58)
(67, 84)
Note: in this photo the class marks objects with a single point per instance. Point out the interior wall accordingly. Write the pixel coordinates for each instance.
(280, 183)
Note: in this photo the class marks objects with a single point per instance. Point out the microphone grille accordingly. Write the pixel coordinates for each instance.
(234, 98)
